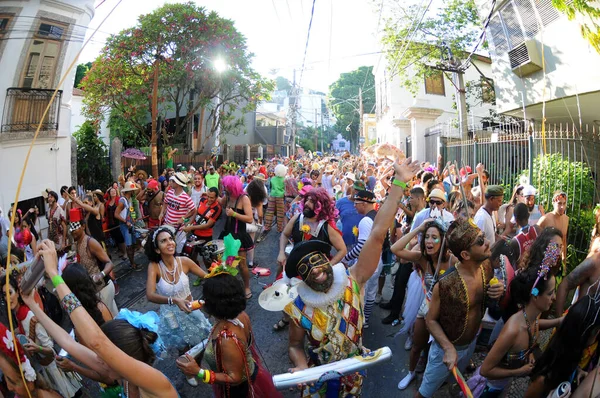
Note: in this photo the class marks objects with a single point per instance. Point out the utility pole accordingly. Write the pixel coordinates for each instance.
(316, 132)
(292, 111)
(360, 110)
(461, 94)
(322, 127)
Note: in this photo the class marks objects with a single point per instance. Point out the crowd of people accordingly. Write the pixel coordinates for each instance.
(455, 251)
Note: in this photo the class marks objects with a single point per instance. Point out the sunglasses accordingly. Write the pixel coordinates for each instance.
(436, 202)
(480, 240)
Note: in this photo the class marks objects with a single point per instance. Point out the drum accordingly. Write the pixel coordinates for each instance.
(212, 251)
(192, 245)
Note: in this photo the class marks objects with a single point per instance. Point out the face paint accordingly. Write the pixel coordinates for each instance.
(436, 240)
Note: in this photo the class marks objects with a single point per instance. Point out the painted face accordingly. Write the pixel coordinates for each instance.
(560, 205)
(165, 244)
(545, 299)
(320, 278)
(433, 241)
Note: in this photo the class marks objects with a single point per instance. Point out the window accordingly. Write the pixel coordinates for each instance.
(4, 20)
(341, 144)
(487, 90)
(434, 83)
(42, 58)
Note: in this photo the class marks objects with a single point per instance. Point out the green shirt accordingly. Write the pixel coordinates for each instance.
(212, 180)
(277, 188)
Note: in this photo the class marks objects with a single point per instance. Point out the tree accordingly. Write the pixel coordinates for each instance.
(92, 157)
(202, 63)
(82, 69)
(588, 12)
(283, 84)
(344, 100)
(414, 50)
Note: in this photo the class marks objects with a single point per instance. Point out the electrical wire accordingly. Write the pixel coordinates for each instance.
(467, 62)
(18, 191)
(312, 14)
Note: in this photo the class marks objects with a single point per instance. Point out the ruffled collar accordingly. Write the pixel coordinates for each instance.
(321, 299)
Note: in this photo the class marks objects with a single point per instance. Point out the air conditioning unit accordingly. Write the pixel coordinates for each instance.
(526, 58)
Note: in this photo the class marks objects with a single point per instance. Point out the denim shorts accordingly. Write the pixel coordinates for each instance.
(437, 372)
(127, 236)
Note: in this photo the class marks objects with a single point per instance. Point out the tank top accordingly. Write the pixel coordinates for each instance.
(167, 285)
(88, 261)
(298, 235)
(110, 214)
(535, 215)
(95, 227)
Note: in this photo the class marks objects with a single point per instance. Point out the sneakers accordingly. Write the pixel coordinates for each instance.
(377, 298)
(406, 380)
(389, 319)
(385, 306)
(408, 343)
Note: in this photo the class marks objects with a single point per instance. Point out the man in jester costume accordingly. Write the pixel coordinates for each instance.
(329, 307)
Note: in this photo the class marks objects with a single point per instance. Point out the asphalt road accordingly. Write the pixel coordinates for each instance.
(381, 381)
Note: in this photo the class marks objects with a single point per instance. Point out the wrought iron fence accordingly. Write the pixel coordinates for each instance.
(24, 108)
(562, 157)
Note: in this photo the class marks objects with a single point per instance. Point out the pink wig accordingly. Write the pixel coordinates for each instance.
(233, 186)
(324, 205)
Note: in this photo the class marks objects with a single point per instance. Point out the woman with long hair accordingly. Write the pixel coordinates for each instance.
(234, 368)
(570, 349)
(516, 349)
(257, 193)
(238, 209)
(535, 254)
(126, 348)
(113, 224)
(168, 285)
(506, 223)
(93, 204)
(40, 346)
(432, 260)
(29, 239)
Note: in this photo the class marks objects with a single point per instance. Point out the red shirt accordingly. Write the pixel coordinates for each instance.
(206, 213)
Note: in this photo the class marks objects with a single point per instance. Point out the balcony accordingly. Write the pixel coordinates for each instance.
(23, 110)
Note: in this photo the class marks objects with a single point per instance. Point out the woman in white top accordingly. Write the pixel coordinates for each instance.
(168, 285)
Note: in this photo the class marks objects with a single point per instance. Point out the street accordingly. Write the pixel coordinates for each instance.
(382, 379)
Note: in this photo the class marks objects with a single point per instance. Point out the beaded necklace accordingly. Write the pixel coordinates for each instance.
(536, 328)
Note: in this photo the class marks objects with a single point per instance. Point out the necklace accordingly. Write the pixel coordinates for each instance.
(468, 301)
(166, 272)
(536, 330)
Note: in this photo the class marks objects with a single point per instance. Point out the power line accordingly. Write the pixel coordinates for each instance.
(465, 64)
(312, 13)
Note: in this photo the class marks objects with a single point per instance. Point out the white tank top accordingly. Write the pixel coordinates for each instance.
(166, 284)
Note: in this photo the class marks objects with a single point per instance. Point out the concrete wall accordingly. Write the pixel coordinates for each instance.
(49, 165)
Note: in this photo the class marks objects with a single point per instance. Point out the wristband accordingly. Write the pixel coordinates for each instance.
(213, 377)
(57, 280)
(398, 183)
(70, 303)
(234, 215)
(40, 348)
(200, 374)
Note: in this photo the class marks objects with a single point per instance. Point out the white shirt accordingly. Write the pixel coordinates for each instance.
(486, 223)
(196, 195)
(61, 201)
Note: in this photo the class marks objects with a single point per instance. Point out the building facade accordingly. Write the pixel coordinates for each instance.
(40, 39)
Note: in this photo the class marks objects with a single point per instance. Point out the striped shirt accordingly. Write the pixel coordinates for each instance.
(177, 206)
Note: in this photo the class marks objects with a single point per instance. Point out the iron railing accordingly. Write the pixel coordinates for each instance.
(560, 157)
(24, 108)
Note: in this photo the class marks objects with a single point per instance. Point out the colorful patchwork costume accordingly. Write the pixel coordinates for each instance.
(333, 322)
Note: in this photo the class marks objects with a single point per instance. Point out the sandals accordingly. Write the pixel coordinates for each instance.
(280, 325)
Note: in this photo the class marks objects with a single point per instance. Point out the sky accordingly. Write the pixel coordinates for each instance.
(342, 37)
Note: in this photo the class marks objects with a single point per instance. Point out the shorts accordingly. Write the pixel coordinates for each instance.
(127, 234)
(437, 372)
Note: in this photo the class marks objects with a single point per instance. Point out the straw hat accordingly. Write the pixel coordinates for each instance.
(129, 186)
(180, 179)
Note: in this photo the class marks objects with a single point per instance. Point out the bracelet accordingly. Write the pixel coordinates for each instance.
(213, 377)
(40, 348)
(57, 280)
(200, 374)
(398, 183)
(234, 215)
(170, 300)
(70, 303)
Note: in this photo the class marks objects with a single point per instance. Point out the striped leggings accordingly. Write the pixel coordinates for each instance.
(275, 208)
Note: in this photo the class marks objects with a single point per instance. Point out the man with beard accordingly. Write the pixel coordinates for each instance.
(57, 224)
(454, 322)
(328, 309)
(558, 219)
(535, 211)
(317, 221)
(154, 199)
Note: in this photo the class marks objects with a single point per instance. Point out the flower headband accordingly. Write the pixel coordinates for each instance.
(551, 256)
(162, 228)
(230, 254)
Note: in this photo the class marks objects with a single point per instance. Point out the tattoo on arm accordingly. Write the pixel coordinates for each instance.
(580, 273)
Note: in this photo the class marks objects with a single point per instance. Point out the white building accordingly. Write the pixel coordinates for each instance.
(517, 33)
(404, 119)
(339, 144)
(39, 40)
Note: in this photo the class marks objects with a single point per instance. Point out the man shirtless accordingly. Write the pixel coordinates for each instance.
(585, 275)
(154, 198)
(558, 219)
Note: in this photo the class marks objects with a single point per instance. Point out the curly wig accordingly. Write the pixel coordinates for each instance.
(324, 205)
(256, 192)
(223, 296)
(233, 186)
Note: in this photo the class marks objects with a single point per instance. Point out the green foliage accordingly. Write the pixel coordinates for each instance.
(344, 103)
(82, 69)
(92, 157)
(283, 84)
(588, 13)
(554, 172)
(130, 137)
(307, 143)
(455, 28)
(183, 41)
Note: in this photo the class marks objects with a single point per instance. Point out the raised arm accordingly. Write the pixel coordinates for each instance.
(400, 250)
(151, 381)
(369, 256)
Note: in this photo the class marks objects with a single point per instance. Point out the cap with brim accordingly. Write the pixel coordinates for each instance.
(350, 176)
(529, 190)
(494, 190)
(305, 256)
(364, 196)
(437, 194)
(359, 185)
(179, 179)
(74, 226)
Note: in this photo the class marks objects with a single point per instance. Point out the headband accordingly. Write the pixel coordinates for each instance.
(162, 228)
(558, 195)
(551, 256)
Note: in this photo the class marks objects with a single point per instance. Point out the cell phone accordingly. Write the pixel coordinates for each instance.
(22, 339)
